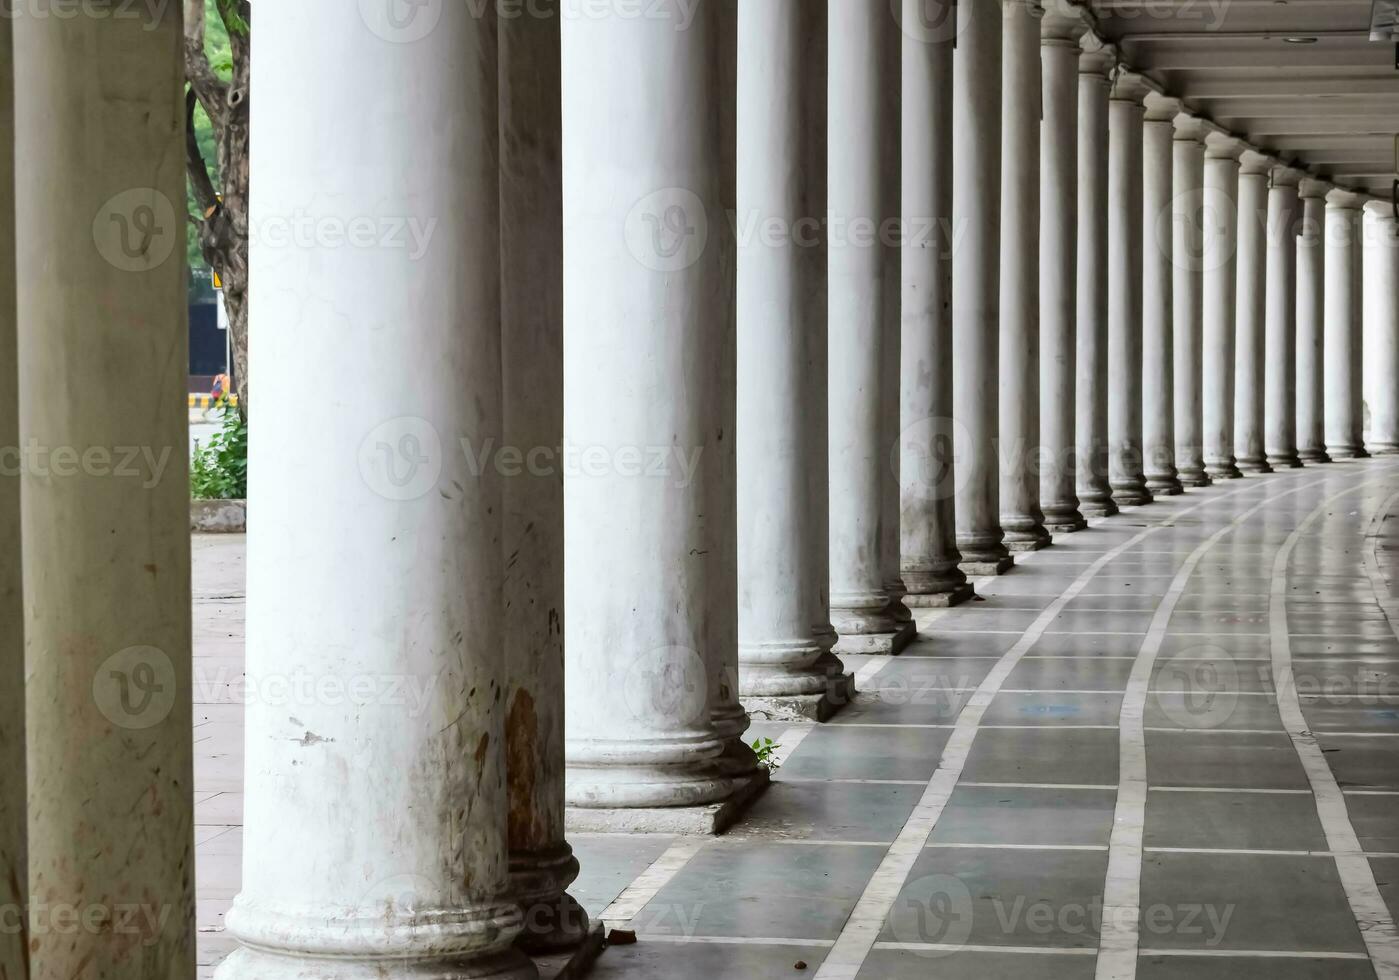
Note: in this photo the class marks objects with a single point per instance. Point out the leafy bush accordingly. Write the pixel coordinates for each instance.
(219, 469)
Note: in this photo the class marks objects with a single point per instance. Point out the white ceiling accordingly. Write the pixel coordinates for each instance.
(1332, 105)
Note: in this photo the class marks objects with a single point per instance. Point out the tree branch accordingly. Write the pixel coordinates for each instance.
(202, 79)
(204, 191)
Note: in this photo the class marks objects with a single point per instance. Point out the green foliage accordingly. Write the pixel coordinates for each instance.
(766, 751)
(219, 469)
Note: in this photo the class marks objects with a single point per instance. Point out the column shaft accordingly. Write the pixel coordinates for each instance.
(1187, 296)
(1381, 287)
(785, 667)
(102, 354)
(1220, 216)
(1250, 304)
(1125, 293)
(542, 864)
(1280, 372)
(1343, 326)
(927, 471)
(976, 167)
(1018, 453)
(1059, 54)
(1158, 311)
(1311, 318)
(863, 173)
(1094, 491)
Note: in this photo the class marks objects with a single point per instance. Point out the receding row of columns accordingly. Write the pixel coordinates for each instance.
(786, 441)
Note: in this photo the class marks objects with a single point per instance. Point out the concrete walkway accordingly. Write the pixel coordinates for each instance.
(1166, 747)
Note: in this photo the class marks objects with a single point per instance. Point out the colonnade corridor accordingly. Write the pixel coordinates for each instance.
(1175, 733)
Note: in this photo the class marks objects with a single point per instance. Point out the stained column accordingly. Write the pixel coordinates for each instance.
(1343, 325)
(1187, 295)
(1094, 491)
(1311, 319)
(1250, 299)
(1280, 315)
(1220, 216)
(786, 669)
(1125, 112)
(927, 471)
(1021, 519)
(1158, 296)
(1381, 285)
(1059, 58)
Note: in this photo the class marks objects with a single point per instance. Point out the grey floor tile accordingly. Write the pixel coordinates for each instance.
(1387, 878)
(1245, 761)
(901, 964)
(1053, 709)
(973, 617)
(1209, 711)
(830, 811)
(1251, 968)
(1376, 822)
(1101, 644)
(1362, 763)
(1240, 821)
(1037, 674)
(848, 752)
(608, 864)
(904, 704)
(931, 672)
(963, 644)
(1044, 755)
(1079, 621)
(1026, 815)
(705, 961)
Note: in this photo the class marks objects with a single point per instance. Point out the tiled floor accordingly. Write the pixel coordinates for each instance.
(1090, 772)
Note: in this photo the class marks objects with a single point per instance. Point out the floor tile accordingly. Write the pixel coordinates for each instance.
(1026, 815)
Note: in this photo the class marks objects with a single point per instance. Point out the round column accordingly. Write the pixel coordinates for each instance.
(1158, 296)
(1125, 112)
(1220, 217)
(786, 669)
(1311, 318)
(1382, 328)
(645, 310)
(1187, 296)
(863, 195)
(1280, 359)
(376, 838)
(976, 206)
(1343, 325)
(542, 864)
(102, 349)
(1091, 432)
(1249, 301)
(1059, 56)
(928, 516)
(1021, 519)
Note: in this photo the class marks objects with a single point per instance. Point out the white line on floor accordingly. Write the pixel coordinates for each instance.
(640, 892)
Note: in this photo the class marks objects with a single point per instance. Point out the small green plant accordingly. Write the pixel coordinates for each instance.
(766, 751)
(219, 469)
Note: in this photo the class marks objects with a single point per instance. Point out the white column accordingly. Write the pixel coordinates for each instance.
(1187, 295)
(102, 353)
(1343, 325)
(1094, 491)
(1059, 56)
(786, 669)
(1249, 305)
(1280, 360)
(542, 864)
(1158, 296)
(1311, 318)
(376, 826)
(1381, 285)
(14, 868)
(1220, 217)
(976, 167)
(646, 310)
(1125, 112)
(1021, 519)
(863, 195)
(927, 473)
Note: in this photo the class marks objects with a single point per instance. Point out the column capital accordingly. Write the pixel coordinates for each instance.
(1380, 208)
(1222, 145)
(1345, 200)
(1035, 7)
(1161, 107)
(1287, 176)
(1098, 58)
(1064, 23)
(1129, 86)
(1311, 188)
(1255, 164)
(1192, 128)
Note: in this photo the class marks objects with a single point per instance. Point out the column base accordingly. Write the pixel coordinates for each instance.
(1017, 547)
(1308, 456)
(1284, 461)
(1384, 449)
(979, 569)
(249, 962)
(1346, 452)
(1223, 471)
(1072, 526)
(840, 691)
(554, 921)
(1164, 485)
(886, 644)
(1254, 466)
(1192, 476)
(941, 600)
(1096, 503)
(1024, 534)
(577, 963)
(1134, 494)
(928, 582)
(706, 820)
